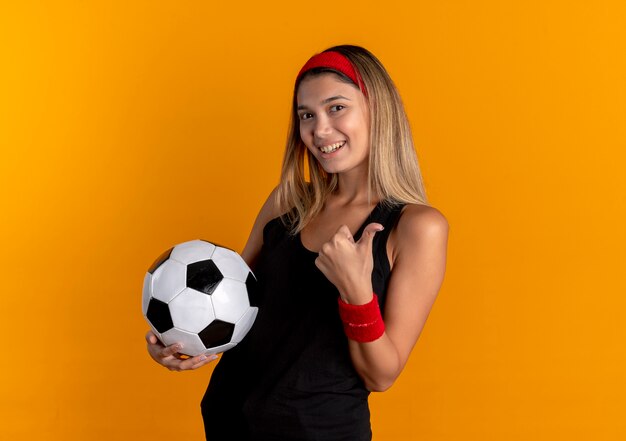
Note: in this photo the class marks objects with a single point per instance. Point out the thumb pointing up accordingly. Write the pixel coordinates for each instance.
(367, 238)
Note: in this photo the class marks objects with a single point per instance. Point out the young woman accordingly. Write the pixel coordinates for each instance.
(349, 261)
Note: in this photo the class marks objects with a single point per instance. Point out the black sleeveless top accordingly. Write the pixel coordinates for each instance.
(291, 378)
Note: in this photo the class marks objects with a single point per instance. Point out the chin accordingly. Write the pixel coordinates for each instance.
(332, 170)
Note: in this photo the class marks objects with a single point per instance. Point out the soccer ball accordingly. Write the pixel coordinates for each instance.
(201, 295)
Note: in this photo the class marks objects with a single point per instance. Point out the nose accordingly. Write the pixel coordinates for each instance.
(322, 127)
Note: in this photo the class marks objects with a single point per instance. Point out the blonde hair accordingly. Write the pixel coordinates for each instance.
(394, 172)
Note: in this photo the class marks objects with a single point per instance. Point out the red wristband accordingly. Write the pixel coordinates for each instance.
(362, 323)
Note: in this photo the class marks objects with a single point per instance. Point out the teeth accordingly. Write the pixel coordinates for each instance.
(332, 147)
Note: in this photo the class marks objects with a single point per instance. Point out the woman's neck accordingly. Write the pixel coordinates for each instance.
(352, 188)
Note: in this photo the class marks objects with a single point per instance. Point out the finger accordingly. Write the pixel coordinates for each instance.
(345, 232)
(151, 338)
(209, 359)
(170, 350)
(367, 238)
(319, 263)
(198, 361)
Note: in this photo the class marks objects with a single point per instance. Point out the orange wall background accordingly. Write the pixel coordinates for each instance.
(127, 127)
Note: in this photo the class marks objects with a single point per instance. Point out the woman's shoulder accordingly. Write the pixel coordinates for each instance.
(271, 208)
(274, 216)
(418, 223)
(422, 217)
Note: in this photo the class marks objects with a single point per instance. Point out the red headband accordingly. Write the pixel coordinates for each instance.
(334, 60)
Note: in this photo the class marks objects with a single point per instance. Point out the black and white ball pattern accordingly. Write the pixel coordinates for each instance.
(201, 295)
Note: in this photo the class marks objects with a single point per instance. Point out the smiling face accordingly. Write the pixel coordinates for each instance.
(334, 122)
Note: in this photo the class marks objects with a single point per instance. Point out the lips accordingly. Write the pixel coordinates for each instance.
(330, 148)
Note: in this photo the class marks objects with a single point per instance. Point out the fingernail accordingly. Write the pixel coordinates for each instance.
(178, 347)
(202, 358)
(214, 357)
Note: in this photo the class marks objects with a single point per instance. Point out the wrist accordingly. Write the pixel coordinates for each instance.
(360, 295)
(362, 323)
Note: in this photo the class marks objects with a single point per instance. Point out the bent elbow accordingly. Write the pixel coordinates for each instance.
(379, 386)
(382, 379)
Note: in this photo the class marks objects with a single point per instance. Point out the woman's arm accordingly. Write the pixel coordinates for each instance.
(418, 251)
(418, 256)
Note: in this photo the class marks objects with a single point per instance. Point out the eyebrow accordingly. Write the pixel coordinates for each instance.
(328, 100)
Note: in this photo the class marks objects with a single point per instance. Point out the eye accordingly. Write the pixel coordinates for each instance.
(337, 107)
(306, 115)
